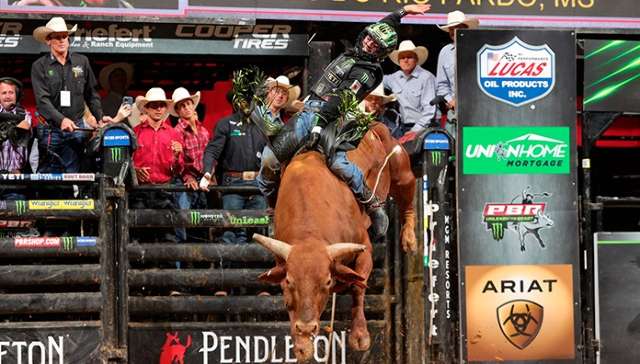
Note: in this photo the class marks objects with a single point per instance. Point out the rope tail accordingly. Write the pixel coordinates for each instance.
(395, 150)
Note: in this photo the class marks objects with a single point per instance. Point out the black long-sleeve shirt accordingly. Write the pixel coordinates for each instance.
(362, 78)
(49, 77)
(236, 146)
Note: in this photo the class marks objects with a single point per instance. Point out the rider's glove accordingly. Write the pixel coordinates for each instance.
(314, 137)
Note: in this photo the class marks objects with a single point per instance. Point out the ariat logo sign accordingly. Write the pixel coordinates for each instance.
(116, 154)
(519, 312)
(21, 207)
(516, 150)
(516, 73)
(520, 321)
(67, 243)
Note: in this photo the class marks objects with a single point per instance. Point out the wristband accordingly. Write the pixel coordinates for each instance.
(316, 129)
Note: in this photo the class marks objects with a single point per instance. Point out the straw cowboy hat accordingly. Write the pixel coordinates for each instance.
(456, 18)
(283, 81)
(379, 91)
(181, 94)
(154, 94)
(407, 46)
(105, 72)
(55, 25)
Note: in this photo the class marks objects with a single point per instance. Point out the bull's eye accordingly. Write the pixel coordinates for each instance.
(329, 282)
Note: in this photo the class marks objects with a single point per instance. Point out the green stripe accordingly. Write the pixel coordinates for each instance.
(616, 242)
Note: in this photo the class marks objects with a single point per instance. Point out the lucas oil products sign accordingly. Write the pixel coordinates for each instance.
(518, 232)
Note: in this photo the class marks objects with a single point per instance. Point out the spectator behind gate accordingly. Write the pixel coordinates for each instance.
(375, 104)
(115, 79)
(62, 82)
(446, 71)
(195, 138)
(13, 152)
(414, 87)
(237, 146)
(159, 156)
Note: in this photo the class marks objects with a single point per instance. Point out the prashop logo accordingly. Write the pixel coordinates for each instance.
(173, 350)
(523, 216)
(516, 150)
(516, 73)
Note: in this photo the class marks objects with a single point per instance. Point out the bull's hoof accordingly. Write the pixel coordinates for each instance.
(360, 340)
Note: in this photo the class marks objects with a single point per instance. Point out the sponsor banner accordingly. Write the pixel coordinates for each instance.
(249, 343)
(226, 218)
(79, 177)
(48, 345)
(520, 312)
(568, 13)
(86, 204)
(66, 242)
(617, 281)
(516, 73)
(163, 38)
(16, 224)
(116, 138)
(516, 150)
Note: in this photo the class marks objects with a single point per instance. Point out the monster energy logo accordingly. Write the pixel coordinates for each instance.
(67, 242)
(497, 230)
(365, 78)
(21, 207)
(116, 154)
(196, 217)
(436, 157)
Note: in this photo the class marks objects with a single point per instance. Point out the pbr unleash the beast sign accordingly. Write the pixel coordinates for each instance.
(518, 233)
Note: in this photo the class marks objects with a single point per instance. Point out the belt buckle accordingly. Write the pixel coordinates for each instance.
(249, 175)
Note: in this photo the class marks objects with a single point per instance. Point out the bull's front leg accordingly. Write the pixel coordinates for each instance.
(359, 338)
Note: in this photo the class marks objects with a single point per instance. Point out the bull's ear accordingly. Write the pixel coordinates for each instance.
(348, 276)
(274, 275)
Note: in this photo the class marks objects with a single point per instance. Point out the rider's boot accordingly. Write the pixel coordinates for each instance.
(376, 212)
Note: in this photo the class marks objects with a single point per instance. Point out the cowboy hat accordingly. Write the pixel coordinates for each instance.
(181, 94)
(105, 72)
(283, 81)
(154, 94)
(456, 18)
(55, 25)
(379, 91)
(407, 46)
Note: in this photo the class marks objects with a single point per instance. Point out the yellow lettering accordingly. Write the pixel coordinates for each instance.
(526, 4)
(565, 3)
(505, 2)
(586, 4)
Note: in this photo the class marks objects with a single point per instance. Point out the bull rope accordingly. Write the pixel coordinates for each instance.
(396, 149)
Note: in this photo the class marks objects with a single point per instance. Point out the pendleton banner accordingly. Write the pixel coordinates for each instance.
(541, 13)
(517, 197)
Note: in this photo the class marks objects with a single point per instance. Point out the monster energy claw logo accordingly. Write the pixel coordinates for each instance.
(67, 242)
(196, 217)
(436, 157)
(21, 207)
(498, 231)
(116, 154)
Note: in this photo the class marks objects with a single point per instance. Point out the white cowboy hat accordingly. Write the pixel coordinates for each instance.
(379, 91)
(55, 25)
(105, 72)
(181, 94)
(456, 18)
(283, 81)
(154, 94)
(407, 46)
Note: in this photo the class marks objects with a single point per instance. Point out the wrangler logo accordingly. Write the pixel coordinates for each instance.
(520, 321)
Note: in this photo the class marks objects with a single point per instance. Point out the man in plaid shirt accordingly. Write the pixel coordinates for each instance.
(195, 138)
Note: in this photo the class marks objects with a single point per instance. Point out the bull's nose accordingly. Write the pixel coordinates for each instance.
(307, 328)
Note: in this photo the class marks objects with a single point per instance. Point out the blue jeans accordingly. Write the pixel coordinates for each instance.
(232, 201)
(60, 151)
(304, 122)
(186, 201)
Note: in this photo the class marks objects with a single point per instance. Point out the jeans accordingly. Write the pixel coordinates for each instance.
(60, 151)
(186, 201)
(340, 165)
(232, 201)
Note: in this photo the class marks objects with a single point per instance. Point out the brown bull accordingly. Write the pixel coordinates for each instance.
(322, 242)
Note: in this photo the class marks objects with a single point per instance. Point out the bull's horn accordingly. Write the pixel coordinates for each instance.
(277, 247)
(340, 249)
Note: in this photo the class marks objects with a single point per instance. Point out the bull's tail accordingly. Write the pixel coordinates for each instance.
(396, 149)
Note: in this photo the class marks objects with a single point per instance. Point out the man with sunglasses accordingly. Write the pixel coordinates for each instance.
(63, 83)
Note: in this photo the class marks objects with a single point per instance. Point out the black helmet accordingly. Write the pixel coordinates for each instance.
(384, 34)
